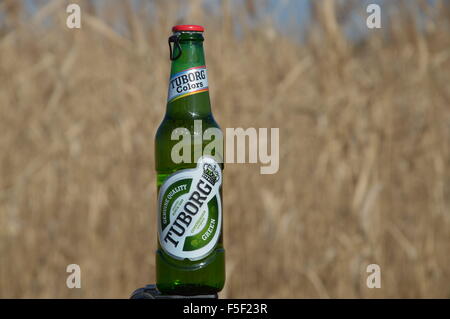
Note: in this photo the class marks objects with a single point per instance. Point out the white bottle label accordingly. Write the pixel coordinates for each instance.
(190, 211)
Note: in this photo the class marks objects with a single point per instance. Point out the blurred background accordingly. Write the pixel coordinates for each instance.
(364, 118)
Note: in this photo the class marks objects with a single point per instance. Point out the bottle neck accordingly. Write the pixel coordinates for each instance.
(188, 85)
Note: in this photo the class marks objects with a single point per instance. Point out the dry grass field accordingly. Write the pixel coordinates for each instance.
(364, 149)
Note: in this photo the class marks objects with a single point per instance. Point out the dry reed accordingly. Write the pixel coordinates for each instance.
(364, 139)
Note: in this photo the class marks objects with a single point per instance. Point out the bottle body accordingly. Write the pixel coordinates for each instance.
(190, 258)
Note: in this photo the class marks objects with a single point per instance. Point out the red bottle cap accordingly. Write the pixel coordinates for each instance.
(188, 27)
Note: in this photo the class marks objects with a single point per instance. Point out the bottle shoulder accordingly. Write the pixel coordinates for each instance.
(173, 134)
(191, 122)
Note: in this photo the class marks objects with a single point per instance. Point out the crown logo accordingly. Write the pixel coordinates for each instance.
(210, 173)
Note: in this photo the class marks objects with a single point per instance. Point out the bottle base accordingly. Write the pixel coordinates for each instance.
(204, 277)
(187, 290)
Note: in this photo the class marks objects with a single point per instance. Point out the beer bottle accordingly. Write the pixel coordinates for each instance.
(190, 259)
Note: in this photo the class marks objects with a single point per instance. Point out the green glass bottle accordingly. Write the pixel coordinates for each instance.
(190, 259)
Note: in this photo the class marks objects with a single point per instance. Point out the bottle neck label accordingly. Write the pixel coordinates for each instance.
(188, 82)
(190, 211)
